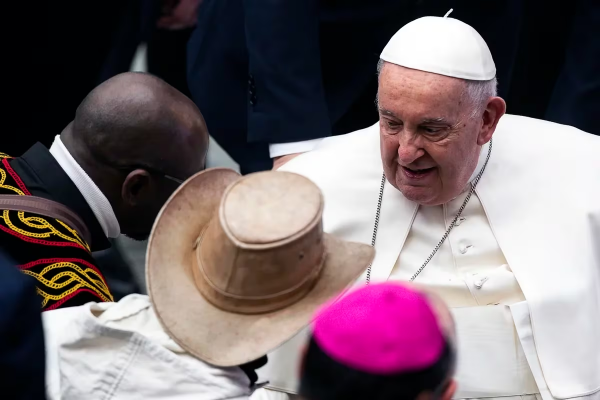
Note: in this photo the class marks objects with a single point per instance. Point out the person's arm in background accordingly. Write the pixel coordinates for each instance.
(287, 106)
(178, 14)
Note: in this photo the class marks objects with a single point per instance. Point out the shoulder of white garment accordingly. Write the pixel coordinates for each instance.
(340, 156)
(348, 170)
(548, 154)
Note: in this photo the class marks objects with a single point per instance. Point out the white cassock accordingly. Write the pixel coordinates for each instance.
(521, 270)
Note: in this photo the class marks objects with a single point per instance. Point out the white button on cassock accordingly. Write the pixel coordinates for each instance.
(479, 283)
(464, 248)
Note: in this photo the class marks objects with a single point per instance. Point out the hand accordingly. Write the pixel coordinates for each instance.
(182, 16)
(279, 161)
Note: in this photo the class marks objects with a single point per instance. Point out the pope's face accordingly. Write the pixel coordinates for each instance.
(430, 145)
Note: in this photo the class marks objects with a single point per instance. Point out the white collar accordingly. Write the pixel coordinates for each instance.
(480, 161)
(98, 203)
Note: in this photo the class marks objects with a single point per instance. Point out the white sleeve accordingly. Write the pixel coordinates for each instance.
(266, 394)
(55, 323)
(283, 149)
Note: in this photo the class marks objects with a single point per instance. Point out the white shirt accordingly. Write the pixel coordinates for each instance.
(119, 351)
(469, 269)
(97, 201)
(283, 149)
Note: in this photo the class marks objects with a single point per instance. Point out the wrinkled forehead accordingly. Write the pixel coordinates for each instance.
(404, 90)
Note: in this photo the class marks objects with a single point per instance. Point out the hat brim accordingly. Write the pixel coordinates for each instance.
(211, 334)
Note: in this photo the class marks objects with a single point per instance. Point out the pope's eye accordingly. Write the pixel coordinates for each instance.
(432, 130)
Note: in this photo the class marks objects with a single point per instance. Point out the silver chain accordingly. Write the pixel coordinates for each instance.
(452, 224)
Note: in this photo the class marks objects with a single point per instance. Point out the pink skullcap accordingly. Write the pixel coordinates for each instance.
(385, 328)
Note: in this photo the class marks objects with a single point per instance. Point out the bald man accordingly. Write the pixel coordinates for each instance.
(134, 139)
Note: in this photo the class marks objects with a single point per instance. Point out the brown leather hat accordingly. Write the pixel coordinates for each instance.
(237, 265)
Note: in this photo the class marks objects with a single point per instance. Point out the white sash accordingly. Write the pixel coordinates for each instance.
(491, 361)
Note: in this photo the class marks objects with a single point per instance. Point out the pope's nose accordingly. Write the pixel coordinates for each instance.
(408, 153)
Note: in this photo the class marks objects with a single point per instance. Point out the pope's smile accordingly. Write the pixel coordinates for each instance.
(417, 174)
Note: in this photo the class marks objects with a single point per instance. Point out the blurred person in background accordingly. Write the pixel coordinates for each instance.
(385, 341)
(556, 73)
(86, 43)
(575, 98)
(167, 42)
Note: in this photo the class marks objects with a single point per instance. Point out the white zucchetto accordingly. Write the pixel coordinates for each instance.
(441, 45)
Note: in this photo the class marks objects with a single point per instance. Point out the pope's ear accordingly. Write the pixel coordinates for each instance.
(494, 110)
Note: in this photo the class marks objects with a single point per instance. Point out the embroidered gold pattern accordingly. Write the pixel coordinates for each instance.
(60, 278)
(82, 277)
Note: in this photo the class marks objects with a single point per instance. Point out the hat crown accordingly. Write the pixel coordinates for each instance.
(444, 46)
(201, 268)
(265, 249)
(267, 208)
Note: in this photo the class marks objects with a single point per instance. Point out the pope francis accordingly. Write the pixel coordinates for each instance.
(498, 214)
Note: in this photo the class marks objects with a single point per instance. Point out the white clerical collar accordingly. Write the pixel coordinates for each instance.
(481, 161)
(480, 164)
(98, 203)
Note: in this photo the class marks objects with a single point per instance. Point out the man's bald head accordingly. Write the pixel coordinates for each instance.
(137, 118)
(128, 133)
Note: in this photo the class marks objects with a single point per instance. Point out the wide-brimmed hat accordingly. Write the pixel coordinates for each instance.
(237, 265)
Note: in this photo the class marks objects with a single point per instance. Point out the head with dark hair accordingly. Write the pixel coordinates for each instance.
(326, 379)
(137, 138)
(374, 362)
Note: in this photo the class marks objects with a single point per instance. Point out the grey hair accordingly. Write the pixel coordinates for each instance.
(476, 92)
(479, 92)
(379, 66)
